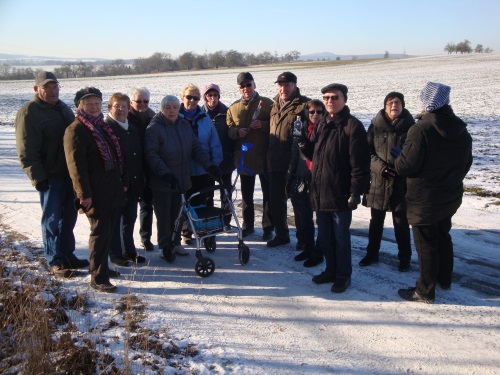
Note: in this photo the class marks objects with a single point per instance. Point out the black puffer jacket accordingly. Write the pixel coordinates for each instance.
(131, 148)
(384, 193)
(435, 158)
(338, 148)
(219, 120)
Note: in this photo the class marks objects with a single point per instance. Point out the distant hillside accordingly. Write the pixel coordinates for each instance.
(41, 60)
(332, 56)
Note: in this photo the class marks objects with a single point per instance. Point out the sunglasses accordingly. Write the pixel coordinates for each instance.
(319, 112)
(191, 97)
(141, 101)
(248, 85)
(333, 97)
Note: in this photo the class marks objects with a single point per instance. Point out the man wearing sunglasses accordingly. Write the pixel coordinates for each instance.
(248, 122)
(288, 104)
(339, 151)
(140, 115)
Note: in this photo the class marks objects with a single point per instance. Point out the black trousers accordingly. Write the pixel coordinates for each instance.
(247, 184)
(146, 215)
(277, 202)
(167, 206)
(435, 255)
(401, 232)
(101, 233)
(304, 224)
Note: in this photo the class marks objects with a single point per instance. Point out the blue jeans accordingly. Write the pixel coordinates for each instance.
(334, 239)
(58, 220)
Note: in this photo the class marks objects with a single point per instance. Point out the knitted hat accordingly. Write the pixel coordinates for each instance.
(434, 96)
(85, 93)
(336, 86)
(209, 87)
(395, 94)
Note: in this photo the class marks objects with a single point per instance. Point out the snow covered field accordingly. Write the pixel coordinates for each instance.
(268, 317)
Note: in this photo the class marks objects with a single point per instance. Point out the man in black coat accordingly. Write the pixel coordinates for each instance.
(339, 151)
(435, 158)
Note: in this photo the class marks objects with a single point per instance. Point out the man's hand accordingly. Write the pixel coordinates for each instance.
(255, 124)
(42, 185)
(353, 201)
(389, 173)
(243, 132)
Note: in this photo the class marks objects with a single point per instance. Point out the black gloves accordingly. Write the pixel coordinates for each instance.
(353, 202)
(42, 185)
(287, 186)
(214, 171)
(395, 151)
(170, 180)
(389, 173)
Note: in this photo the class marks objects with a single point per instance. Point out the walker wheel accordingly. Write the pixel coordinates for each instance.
(204, 267)
(210, 244)
(244, 254)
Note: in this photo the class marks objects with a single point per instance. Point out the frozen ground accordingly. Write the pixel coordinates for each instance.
(268, 317)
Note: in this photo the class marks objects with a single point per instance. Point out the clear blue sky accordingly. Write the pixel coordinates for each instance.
(130, 29)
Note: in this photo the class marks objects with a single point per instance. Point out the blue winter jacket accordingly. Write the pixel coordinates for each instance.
(208, 138)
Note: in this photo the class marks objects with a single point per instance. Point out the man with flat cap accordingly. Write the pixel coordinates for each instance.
(338, 148)
(248, 122)
(288, 104)
(40, 126)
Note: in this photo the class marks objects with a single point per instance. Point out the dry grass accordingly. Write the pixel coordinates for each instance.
(41, 324)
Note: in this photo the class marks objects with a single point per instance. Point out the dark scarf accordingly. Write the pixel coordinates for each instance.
(99, 131)
(212, 112)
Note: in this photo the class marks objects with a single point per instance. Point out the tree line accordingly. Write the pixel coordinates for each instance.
(158, 62)
(465, 47)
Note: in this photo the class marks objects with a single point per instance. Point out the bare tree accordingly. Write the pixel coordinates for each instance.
(216, 59)
(479, 48)
(450, 48)
(386, 55)
(186, 60)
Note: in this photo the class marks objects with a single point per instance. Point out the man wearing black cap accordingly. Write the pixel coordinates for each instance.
(387, 189)
(40, 126)
(340, 155)
(288, 104)
(248, 122)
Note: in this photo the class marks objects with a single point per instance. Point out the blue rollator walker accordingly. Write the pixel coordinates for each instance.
(205, 222)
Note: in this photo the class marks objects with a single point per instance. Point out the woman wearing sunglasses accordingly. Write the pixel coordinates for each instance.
(297, 189)
(205, 131)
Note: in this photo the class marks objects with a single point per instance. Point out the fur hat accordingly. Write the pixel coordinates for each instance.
(336, 86)
(209, 87)
(395, 94)
(85, 93)
(434, 96)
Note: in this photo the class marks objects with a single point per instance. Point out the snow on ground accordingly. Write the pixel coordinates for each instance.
(267, 317)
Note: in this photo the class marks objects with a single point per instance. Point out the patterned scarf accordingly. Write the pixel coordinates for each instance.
(99, 131)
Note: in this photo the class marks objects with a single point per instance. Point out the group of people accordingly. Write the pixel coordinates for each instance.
(106, 167)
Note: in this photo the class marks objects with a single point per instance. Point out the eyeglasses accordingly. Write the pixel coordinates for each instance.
(50, 87)
(214, 95)
(319, 112)
(191, 97)
(141, 101)
(248, 85)
(333, 97)
(394, 102)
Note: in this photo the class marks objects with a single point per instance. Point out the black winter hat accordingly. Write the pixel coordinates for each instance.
(395, 94)
(336, 86)
(287, 77)
(242, 77)
(85, 93)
